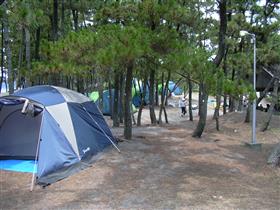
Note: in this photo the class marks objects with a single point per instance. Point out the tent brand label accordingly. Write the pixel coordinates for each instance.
(86, 150)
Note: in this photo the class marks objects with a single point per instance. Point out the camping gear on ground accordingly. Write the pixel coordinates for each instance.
(62, 130)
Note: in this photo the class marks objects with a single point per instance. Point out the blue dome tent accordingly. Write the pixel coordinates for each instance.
(60, 129)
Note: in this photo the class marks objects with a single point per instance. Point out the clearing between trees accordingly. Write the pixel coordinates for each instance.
(165, 168)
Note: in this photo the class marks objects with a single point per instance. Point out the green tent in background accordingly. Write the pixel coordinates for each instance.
(94, 96)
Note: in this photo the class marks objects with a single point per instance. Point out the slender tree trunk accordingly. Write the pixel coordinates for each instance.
(115, 112)
(231, 99)
(200, 103)
(28, 57)
(37, 43)
(218, 101)
(62, 23)
(55, 20)
(127, 110)
(100, 93)
(8, 49)
(271, 108)
(165, 114)
(163, 95)
(248, 113)
(240, 103)
(121, 97)
(142, 100)
(2, 57)
(110, 99)
(152, 97)
(75, 19)
(203, 113)
(225, 105)
(156, 96)
(190, 97)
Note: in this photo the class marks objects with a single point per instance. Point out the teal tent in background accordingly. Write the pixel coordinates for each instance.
(94, 96)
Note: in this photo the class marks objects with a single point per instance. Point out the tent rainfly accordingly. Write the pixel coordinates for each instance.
(62, 130)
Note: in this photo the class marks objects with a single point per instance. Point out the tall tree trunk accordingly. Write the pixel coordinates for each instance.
(231, 99)
(100, 93)
(199, 100)
(248, 113)
(62, 23)
(28, 57)
(157, 94)
(272, 105)
(110, 99)
(2, 57)
(190, 98)
(152, 97)
(203, 112)
(75, 14)
(143, 96)
(218, 101)
(20, 77)
(121, 97)
(8, 49)
(37, 44)
(225, 105)
(221, 54)
(127, 109)
(115, 112)
(163, 95)
(55, 20)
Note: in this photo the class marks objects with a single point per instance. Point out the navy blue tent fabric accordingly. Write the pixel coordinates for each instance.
(68, 132)
(91, 131)
(46, 95)
(5, 101)
(55, 151)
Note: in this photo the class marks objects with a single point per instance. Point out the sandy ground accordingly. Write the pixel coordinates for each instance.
(163, 167)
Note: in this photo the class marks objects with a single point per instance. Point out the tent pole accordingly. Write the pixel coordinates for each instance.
(102, 130)
(36, 156)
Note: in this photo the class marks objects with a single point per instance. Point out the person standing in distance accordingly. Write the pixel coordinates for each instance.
(182, 105)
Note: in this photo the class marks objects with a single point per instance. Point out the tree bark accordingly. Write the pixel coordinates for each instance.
(157, 94)
(8, 49)
(28, 57)
(100, 93)
(121, 97)
(127, 103)
(55, 20)
(190, 98)
(37, 43)
(62, 23)
(143, 96)
(203, 113)
(163, 95)
(2, 57)
(115, 112)
(75, 14)
(152, 97)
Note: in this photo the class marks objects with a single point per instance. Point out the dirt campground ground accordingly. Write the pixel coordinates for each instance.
(165, 168)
